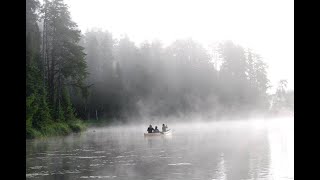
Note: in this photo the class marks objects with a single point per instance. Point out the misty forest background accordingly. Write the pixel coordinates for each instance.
(73, 77)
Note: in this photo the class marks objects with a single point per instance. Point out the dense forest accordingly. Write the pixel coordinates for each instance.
(55, 62)
(73, 77)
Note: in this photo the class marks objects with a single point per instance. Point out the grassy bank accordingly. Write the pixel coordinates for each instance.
(56, 129)
(64, 128)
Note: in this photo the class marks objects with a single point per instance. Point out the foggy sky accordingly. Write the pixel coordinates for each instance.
(265, 26)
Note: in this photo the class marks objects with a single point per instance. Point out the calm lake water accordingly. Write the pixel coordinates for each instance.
(238, 150)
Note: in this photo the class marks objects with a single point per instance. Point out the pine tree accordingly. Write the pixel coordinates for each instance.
(37, 110)
(64, 57)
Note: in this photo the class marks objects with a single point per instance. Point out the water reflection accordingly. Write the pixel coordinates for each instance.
(220, 171)
(218, 152)
(282, 149)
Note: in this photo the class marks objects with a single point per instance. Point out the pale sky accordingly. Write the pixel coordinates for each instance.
(266, 26)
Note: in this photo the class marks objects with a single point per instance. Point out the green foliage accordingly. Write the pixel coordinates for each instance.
(55, 129)
(152, 80)
(49, 109)
(30, 110)
(69, 111)
(59, 114)
(77, 125)
(32, 133)
(109, 78)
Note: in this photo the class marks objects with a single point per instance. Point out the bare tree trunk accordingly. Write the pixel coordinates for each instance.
(53, 66)
(59, 89)
(85, 110)
(97, 115)
(44, 49)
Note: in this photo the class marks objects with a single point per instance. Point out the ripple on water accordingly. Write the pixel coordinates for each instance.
(67, 154)
(90, 157)
(128, 152)
(147, 156)
(72, 172)
(98, 152)
(87, 150)
(97, 177)
(94, 165)
(66, 172)
(121, 161)
(180, 164)
(37, 167)
(42, 158)
(165, 157)
(129, 164)
(31, 175)
(132, 155)
(119, 157)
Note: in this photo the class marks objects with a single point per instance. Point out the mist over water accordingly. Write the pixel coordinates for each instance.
(217, 73)
(249, 149)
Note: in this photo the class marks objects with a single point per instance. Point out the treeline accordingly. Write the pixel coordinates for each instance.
(94, 76)
(55, 63)
(282, 101)
(180, 79)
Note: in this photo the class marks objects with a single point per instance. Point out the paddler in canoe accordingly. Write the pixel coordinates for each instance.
(150, 129)
(164, 128)
(156, 130)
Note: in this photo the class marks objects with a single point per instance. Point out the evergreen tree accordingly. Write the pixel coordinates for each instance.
(243, 78)
(233, 75)
(37, 110)
(258, 81)
(279, 100)
(64, 57)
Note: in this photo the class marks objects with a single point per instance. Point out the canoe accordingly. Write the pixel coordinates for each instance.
(169, 132)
